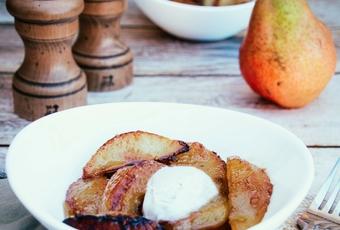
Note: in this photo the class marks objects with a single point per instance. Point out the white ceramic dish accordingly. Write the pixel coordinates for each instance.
(204, 23)
(47, 155)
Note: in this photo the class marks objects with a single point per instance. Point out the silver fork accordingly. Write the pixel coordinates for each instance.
(326, 203)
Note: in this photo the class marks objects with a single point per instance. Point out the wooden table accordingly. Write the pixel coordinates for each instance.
(173, 70)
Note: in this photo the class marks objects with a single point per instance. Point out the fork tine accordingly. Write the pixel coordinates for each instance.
(336, 210)
(329, 207)
(326, 204)
(321, 198)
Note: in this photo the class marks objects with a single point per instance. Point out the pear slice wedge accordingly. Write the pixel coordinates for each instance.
(125, 190)
(84, 197)
(250, 191)
(130, 148)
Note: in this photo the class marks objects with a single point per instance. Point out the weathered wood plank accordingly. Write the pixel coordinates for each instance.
(156, 53)
(10, 125)
(317, 124)
(327, 11)
(3, 151)
(132, 17)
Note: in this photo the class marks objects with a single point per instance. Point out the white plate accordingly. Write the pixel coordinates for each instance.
(48, 155)
(203, 23)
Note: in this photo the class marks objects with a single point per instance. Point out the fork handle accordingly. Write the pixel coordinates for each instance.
(307, 221)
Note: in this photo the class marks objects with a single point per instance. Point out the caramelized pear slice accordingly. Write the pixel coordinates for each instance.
(125, 190)
(111, 223)
(129, 148)
(215, 213)
(249, 193)
(84, 197)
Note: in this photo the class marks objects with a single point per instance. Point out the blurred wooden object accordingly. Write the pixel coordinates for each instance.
(48, 80)
(106, 60)
(308, 221)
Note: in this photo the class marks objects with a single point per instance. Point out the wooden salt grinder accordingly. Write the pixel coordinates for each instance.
(106, 60)
(49, 79)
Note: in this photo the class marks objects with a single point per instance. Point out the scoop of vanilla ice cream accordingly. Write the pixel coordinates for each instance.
(173, 193)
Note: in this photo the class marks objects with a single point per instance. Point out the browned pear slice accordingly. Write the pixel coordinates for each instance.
(129, 148)
(215, 213)
(250, 190)
(84, 197)
(125, 190)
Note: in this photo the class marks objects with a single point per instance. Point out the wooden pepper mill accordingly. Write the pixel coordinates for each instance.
(106, 60)
(49, 79)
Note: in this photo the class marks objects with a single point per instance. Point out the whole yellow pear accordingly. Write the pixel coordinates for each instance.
(288, 56)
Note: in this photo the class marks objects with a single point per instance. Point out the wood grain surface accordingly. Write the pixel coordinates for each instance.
(39, 87)
(318, 124)
(105, 58)
(152, 49)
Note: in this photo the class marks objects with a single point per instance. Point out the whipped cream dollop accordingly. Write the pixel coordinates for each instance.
(173, 193)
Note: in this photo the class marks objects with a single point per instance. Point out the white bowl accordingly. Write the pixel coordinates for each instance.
(204, 23)
(47, 155)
